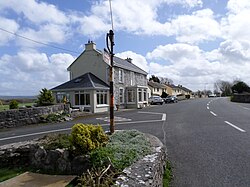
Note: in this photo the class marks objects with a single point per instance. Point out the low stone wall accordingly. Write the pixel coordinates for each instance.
(31, 154)
(241, 98)
(26, 116)
(147, 172)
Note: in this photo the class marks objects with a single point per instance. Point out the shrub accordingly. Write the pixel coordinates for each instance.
(13, 104)
(54, 141)
(45, 98)
(123, 149)
(86, 138)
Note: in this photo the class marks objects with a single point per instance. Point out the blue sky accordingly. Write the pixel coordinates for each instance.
(192, 42)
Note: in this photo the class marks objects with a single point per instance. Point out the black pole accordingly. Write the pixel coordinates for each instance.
(110, 36)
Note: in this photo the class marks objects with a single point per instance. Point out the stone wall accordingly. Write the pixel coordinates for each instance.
(241, 98)
(147, 172)
(27, 116)
(31, 154)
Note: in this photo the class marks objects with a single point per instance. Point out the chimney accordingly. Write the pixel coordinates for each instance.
(90, 46)
(129, 59)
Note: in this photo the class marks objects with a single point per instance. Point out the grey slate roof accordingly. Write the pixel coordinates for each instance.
(86, 81)
(121, 63)
(155, 84)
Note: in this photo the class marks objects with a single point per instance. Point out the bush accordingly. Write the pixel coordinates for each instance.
(86, 138)
(13, 104)
(45, 98)
(123, 149)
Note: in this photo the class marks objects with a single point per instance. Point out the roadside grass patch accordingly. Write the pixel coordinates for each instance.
(167, 177)
(7, 173)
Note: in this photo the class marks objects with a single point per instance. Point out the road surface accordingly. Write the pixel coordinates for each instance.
(208, 140)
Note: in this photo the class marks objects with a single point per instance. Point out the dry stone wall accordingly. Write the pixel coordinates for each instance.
(27, 116)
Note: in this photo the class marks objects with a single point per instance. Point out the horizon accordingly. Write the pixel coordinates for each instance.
(194, 43)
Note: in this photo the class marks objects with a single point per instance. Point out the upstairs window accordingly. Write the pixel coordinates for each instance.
(121, 76)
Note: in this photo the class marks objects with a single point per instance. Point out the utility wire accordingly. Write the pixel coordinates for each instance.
(26, 38)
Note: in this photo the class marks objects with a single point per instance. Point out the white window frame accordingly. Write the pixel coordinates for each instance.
(79, 93)
(133, 92)
(121, 95)
(140, 95)
(121, 75)
(144, 94)
(101, 97)
(132, 78)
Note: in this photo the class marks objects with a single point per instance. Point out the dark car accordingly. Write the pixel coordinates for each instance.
(171, 99)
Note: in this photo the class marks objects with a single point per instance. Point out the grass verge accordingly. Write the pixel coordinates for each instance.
(7, 173)
(167, 177)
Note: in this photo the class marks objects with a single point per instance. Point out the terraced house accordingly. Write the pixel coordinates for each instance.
(88, 87)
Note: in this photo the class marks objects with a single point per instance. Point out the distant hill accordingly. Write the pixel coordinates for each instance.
(17, 97)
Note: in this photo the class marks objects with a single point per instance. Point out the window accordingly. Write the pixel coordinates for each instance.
(131, 96)
(102, 97)
(140, 95)
(121, 95)
(82, 98)
(158, 90)
(121, 75)
(132, 78)
(145, 95)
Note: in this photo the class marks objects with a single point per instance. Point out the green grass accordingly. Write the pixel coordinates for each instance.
(7, 173)
(167, 177)
(6, 107)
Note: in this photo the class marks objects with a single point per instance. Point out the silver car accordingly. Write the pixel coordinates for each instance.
(155, 100)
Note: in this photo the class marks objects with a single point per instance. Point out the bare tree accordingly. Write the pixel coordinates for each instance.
(224, 87)
(165, 80)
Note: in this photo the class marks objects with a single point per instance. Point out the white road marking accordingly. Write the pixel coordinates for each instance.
(207, 104)
(234, 126)
(116, 118)
(208, 107)
(245, 108)
(150, 113)
(33, 134)
(213, 113)
(68, 129)
(164, 117)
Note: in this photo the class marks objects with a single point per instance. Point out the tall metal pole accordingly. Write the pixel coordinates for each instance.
(110, 38)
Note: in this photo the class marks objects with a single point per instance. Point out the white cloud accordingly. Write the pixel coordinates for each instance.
(195, 28)
(9, 25)
(185, 3)
(36, 12)
(27, 72)
(137, 59)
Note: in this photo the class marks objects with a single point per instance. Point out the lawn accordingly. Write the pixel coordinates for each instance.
(6, 107)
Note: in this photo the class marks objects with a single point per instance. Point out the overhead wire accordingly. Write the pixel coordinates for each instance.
(38, 42)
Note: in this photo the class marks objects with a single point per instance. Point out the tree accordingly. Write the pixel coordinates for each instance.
(240, 87)
(155, 79)
(13, 104)
(45, 98)
(164, 80)
(224, 87)
(164, 95)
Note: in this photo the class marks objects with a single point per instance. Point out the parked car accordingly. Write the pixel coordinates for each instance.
(155, 100)
(171, 99)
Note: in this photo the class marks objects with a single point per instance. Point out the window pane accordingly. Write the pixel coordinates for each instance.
(82, 99)
(87, 99)
(76, 99)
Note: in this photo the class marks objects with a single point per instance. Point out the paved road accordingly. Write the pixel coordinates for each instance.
(208, 140)
(209, 143)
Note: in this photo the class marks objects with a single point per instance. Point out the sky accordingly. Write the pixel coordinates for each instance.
(192, 42)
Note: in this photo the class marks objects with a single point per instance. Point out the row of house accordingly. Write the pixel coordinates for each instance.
(88, 86)
(170, 89)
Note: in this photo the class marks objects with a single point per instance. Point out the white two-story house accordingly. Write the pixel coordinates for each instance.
(88, 86)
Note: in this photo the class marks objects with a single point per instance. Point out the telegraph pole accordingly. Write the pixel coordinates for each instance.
(110, 45)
